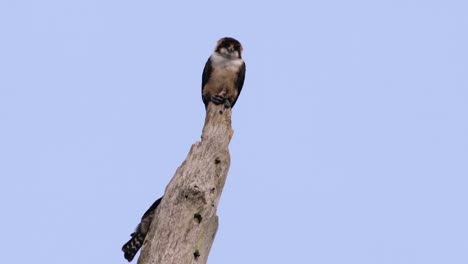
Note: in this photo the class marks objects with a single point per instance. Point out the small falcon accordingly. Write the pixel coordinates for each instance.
(224, 74)
(138, 237)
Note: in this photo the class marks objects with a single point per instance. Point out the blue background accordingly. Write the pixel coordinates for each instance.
(351, 133)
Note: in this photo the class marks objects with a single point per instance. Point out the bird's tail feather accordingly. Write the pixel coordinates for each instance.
(132, 246)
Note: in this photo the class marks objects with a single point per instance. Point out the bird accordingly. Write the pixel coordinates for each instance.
(224, 74)
(134, 244)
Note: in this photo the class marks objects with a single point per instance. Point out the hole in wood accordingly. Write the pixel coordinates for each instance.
(213, 190)
(196, 254)
(198, 217)
(220, 112)
(217, 161)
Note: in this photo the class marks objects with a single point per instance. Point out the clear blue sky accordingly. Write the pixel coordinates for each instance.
(351, 133)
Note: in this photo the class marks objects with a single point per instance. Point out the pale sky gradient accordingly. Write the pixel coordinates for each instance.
(351, 133)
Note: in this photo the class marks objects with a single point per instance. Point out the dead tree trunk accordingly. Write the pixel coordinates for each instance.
(185, 222)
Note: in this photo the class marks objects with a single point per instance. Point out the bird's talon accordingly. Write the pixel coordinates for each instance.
(218, 99)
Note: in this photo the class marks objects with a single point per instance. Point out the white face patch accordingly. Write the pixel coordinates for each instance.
(224, 51)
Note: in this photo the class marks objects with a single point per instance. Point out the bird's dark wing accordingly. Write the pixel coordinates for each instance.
(205, 77)
(148, 212)
(152, 208)
(239, 82)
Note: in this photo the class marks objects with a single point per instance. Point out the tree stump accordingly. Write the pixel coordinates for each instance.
(185, 222)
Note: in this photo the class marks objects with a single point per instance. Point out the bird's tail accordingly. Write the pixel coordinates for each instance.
(133, 245)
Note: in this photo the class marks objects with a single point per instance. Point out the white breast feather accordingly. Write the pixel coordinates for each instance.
(223, 63)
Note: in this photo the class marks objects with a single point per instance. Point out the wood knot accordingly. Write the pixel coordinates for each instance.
(194, 193)
(198, 217)
(196, 254)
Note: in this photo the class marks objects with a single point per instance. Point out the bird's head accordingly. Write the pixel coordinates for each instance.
(229, 48)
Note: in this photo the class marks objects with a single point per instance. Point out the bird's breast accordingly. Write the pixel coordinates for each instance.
(221, 63)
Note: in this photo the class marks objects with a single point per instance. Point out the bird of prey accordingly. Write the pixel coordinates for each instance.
(222, 81)
(224, 74)
(134, 244)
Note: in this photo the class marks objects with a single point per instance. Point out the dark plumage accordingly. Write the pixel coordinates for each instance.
(138, 237)
(224, 74)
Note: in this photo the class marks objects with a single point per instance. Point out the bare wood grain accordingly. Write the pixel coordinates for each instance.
(185, 222)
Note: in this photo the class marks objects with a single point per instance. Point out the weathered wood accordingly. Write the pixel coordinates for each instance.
(185, 222)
